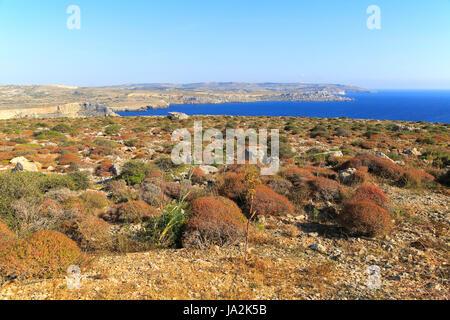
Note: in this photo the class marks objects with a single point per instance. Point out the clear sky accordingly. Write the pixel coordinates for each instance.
(183, 41)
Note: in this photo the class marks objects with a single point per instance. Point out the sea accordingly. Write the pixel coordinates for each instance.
(402, 105)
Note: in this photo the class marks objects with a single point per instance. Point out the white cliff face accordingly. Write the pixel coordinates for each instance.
(70, 110)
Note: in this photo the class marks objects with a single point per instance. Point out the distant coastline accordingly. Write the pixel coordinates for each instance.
(395, 105)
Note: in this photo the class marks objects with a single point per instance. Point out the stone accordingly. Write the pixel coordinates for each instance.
(22, 164)
(412, 152)
(208, 169)
(178, 116)
(382, 155)
(346, 175)
(318, 247)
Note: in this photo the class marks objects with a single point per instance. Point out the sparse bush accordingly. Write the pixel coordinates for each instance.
(373, 194)
(112, 129)
(267, 202)
(68, 158)
(91, 233)
(280, 186)
(42, 255)
(296, 175)
(380, 167)
(118, 190)
(198, 177)
(94, 200)
(6, 235)
(152, 194)
(231, 185)
(416, 178)
(365, 218)
(325, 189)
(213, 221)
(130, 212)
(166, 230)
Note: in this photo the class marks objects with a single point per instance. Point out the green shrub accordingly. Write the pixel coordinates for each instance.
(134, 172)
(167, 230)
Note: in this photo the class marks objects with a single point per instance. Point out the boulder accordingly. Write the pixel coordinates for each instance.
(178, 116)
(412, 152)
(382, 155)
(22, 164)
(346, 175)
(208, 169)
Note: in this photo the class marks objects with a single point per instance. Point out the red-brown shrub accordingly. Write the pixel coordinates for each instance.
(380, 167)
(213, 220)
(91, 233)
(6, 235)
(321, 172)
(325, 189)
(198, 177)
(43, 254)
(68, 158)
(267, 202)
(373, 194)
(280, 186)
(416, 178)
(6, 155)
(231, 185)
(130, 212)
(105, 169)
(365, 218)
(296, 175)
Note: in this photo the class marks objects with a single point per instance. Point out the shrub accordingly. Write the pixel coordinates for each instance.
(380, 167)
(213, 221)
(198, 177)
(118, 190)
(296, 175)
(165, 163)
(373, 194)
(112, 129)
(94, 200)
(134, 172)
(415, 178)
(63, 128)
(91, 233)
(6, 235)
(79, 180)
(267, 202)
(152, 194)
(130, 212)
(365, 218)
(325, 189)
(280, 186)
(360, 176)
(231, 185)
(42, 255)
(104, 169)
(68, 158)
(166, 230)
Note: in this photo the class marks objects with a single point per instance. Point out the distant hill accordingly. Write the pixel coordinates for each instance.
(42, 100)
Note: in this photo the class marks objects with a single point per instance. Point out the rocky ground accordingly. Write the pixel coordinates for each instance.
(292, 258)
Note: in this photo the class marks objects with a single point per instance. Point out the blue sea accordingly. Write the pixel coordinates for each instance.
(406, 105)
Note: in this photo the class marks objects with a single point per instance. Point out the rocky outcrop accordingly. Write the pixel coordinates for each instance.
(23, 164)
(70, 110)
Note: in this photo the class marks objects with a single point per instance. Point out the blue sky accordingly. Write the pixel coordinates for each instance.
(181, 41)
